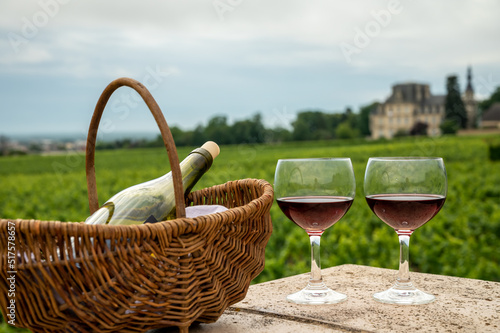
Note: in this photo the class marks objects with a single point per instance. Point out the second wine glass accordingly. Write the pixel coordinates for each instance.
(405, 193)
(315, 193)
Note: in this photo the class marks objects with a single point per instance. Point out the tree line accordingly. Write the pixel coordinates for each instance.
(309, 125)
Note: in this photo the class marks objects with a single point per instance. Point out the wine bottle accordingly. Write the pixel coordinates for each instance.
(154, 200)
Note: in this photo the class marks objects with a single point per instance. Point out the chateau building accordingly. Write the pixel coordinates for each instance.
(412, 103)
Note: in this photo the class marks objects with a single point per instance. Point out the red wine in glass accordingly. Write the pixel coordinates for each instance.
(405, 193)
(315, 193)
(405, 211)
(315, 214)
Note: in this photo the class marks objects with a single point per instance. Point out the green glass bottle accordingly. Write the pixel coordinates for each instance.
(154, 200)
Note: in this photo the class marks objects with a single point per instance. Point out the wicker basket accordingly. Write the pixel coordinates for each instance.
(135, 278)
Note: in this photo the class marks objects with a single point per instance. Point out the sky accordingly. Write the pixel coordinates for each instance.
(234, 58)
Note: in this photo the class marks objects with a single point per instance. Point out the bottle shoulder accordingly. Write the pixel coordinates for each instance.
(153, 188)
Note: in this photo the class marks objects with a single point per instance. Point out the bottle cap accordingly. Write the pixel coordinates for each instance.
(212, 148)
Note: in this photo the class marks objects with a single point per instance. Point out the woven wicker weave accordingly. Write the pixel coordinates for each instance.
(135, 278)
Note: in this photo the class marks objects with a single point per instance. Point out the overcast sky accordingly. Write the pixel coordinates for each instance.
(231, 57)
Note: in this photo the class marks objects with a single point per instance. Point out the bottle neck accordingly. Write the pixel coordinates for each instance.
(203, 152)
(192, 168)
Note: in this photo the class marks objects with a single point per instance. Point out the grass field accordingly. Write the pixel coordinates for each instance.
(462, 240)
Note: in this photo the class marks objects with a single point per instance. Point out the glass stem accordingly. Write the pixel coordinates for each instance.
(403, 279)
(316, 278)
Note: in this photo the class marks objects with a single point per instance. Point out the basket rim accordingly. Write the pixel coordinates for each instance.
(175, 226)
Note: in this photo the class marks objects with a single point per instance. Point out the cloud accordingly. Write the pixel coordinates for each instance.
(35, 54)
(238, 56)
(315, 29)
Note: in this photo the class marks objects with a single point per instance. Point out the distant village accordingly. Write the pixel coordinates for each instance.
(39, 146)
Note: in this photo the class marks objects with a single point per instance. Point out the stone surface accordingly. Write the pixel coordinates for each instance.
(462, 305)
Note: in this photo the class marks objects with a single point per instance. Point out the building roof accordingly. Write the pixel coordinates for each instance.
(416, 93)
(493, 113)
(436, 100)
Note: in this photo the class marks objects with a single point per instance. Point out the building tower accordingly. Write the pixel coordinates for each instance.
(469, 103)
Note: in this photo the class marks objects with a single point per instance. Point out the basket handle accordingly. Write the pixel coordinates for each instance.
(165, 133)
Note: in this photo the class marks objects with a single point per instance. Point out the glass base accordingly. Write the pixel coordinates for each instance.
(403, 295)
(316, 295)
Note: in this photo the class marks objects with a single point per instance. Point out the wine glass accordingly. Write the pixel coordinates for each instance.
(315, 193)
(405, 193)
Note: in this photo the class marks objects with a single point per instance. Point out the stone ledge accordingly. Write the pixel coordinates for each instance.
(462, 305)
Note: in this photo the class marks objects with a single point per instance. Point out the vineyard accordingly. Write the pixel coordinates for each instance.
(462, 240)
